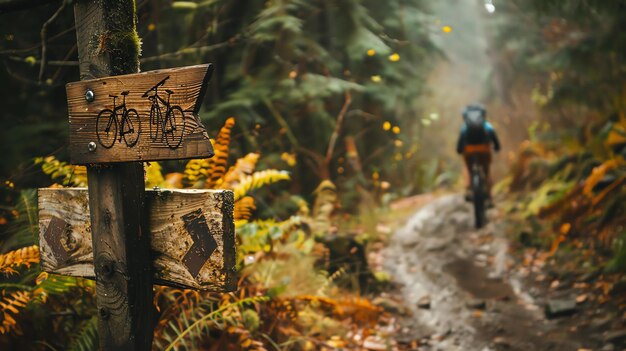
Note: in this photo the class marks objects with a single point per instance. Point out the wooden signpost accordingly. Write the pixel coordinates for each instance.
(133, 238)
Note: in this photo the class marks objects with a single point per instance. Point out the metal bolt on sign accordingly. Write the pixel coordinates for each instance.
(89, 95)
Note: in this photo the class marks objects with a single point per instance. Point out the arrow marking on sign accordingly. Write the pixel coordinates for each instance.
(55, 231)
(203, 242)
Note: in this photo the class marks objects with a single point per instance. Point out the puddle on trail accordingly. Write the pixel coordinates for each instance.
(476, 281)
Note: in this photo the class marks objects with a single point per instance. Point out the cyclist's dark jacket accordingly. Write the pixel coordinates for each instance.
(490, 137)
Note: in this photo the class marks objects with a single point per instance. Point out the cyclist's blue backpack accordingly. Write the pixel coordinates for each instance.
(476, 133)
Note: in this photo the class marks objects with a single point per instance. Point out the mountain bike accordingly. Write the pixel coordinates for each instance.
(480, 193)
(126, 120)
(171, 126)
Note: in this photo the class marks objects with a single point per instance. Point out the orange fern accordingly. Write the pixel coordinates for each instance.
(196, 172)
(244, 339)
(24, 256)
(209, 172)
(11, 306)
(244, 208)
(358, 308)
(217, 164)
(243, 167)
(598, 173)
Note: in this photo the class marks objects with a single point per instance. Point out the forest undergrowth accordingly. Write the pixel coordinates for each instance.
(564, 210)
(560, 72)
(304, 282)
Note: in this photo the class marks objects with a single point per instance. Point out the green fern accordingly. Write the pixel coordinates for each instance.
(69, 175)
(198, 324)
(179, 315)
(257, 180)
(53, 284)
(86, 339)
(24, 229)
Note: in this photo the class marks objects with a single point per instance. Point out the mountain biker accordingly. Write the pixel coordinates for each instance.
(475, 141)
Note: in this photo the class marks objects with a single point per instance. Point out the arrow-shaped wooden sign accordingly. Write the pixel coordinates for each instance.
(192, 236)
(139, 117)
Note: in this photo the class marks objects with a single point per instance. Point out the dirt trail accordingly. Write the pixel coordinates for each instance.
(455, 281)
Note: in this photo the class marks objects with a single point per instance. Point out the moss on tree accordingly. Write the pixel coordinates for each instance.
(120, 41)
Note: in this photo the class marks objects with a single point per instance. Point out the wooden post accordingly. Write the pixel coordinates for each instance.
(108, 45)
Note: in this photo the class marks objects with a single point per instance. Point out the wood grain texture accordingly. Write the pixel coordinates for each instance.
(167, 212)
(121, 256)
(108, 45)
(187, 85)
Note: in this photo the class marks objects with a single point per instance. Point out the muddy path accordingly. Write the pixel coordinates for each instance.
(457, 284)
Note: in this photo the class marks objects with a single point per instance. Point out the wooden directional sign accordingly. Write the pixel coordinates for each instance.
(192, 236)
(139, 117)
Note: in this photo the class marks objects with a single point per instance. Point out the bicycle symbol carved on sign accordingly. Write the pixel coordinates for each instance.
(167, 121)
(109, 121)
(171, 126)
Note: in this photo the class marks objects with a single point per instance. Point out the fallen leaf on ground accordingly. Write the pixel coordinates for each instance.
(375, 343)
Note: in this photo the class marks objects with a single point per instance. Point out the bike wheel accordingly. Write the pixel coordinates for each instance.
(174, 127)
(106, 128)
(154, 122)
(131, 127)
(479, 199)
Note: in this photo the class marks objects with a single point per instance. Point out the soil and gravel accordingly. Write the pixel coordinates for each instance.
(464, 291)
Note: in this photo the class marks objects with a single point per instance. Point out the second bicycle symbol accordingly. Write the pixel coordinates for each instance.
(167, 121)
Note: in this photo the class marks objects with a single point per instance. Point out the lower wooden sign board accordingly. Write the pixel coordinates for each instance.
(192, 236)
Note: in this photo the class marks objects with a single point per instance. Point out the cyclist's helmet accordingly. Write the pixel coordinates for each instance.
(475, 107)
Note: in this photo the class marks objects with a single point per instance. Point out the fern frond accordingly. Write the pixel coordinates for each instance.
(244, 208)
(259, 235)
(213, 314)
(69, 175)
(196, 171)
(598, 174)
(333, 277)
(324, 205)
(218, 163)
(328, 302)
(244, 338)
(87, 338)
(223, 137)
(208, 172)
(243, 167)
(340, 272)
(24, 256)
(11, 306)
(240, 223)
(362, 310)
(257, 180)
(359, 308)
(54, 284)
(303, 208)
(179, 306)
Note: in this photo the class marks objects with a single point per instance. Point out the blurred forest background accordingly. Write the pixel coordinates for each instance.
(345, 105)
